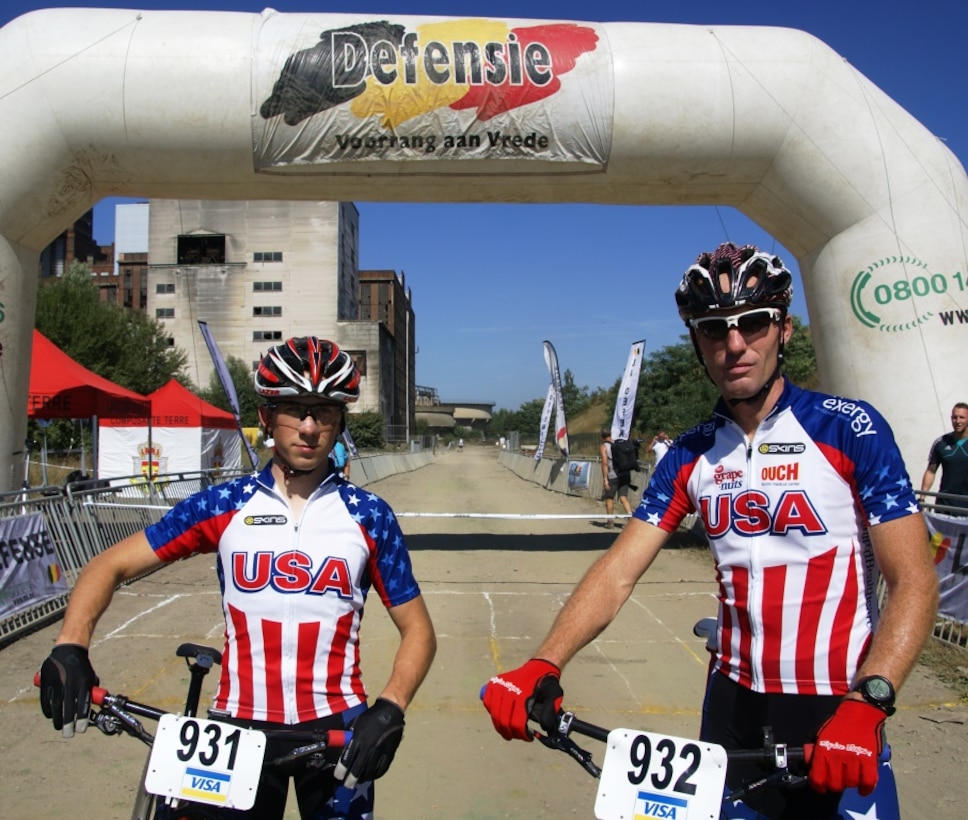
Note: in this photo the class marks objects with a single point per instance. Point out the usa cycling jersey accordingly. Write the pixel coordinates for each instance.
(292, 591)
(787, 516)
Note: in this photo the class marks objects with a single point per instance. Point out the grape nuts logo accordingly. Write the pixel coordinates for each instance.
(881, 294)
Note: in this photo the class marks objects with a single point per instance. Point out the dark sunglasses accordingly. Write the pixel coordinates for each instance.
(750, 324)
(319, 413)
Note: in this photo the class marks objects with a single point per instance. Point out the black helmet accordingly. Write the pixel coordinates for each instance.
(733, 277)
(308, 366)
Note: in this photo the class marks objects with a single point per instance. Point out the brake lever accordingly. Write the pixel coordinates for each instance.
(783, 778)
(565, 744)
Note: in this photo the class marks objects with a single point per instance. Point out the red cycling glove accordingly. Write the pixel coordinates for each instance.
(531, 690)
(847, 748)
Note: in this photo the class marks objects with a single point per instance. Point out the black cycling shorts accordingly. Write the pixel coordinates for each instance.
(734, 716)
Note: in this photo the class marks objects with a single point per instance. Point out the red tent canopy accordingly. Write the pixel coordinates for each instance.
(60, 388)
(175, 406)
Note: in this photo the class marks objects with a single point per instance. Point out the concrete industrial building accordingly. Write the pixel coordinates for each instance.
(258, 272)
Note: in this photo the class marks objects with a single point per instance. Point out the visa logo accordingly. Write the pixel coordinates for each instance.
(649, 806)
(210, 787)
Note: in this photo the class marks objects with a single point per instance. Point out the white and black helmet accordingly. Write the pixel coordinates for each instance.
(731, 277)
(308, 366)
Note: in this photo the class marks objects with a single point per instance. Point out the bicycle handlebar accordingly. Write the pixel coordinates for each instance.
(121, 707)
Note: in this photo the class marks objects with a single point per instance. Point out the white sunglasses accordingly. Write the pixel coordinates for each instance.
(750, 324)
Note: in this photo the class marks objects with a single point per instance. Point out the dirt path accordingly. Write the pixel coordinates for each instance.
(493, 587)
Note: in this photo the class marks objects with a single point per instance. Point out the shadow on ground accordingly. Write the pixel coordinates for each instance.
(572, 542)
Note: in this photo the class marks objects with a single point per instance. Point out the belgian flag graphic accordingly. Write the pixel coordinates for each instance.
(54, 573)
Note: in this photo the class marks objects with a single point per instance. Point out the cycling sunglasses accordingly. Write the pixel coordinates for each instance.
(297, 412)
(750, 324)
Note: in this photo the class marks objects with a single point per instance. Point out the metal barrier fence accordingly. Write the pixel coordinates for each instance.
(85, 518)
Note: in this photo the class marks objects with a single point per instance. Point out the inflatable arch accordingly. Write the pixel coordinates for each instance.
(218, 105)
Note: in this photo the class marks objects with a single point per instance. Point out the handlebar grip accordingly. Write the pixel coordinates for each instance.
(338, 738)
(98, 693)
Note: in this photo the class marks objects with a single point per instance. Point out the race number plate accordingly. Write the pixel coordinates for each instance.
(647, 775)
(205, 761)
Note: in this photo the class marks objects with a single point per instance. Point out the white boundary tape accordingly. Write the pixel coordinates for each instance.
(509, 516)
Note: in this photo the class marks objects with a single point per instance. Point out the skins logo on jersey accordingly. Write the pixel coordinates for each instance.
(262, 520)
(750, 514)
(291, 572)
(777, 448)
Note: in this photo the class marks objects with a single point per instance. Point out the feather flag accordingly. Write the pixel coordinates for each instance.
(625, 404)
(561, 429)
(221, 369)
(549, 405)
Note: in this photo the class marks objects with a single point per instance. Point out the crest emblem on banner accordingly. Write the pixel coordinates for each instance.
(150, 462)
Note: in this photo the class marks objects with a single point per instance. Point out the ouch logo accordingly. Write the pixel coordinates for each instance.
(900, 293)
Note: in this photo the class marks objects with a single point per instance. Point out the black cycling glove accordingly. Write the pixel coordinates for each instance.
(376, 735)
(66, 679)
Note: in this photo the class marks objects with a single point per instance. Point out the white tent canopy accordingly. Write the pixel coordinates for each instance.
(186, 435)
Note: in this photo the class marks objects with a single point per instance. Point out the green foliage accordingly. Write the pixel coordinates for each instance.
(367, 429)
(576, 399)
(128, 348)
(800, 357)
(249, 400)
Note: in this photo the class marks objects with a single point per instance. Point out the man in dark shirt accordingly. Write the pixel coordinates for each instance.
(950, 451)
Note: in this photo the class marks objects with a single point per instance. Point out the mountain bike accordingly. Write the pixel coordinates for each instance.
(195, 764)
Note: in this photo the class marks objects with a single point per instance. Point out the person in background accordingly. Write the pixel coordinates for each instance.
(660, 445)
(341, 459)
(800, 533)
(613, 484)
(292, 639)
(950, 452)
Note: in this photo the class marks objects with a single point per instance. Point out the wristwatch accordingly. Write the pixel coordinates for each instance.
(877, 691)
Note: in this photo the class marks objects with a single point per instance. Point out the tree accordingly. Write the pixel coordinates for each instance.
(367, 429)
(573, 397)
(129, 348)
(800, 357)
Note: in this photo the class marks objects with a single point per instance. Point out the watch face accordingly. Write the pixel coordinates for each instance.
(878, 688)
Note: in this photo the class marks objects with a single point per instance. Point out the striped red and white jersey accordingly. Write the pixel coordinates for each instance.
(787, 515)
(292, 591)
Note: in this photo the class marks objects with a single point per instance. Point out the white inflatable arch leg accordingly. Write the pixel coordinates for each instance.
(210, 105)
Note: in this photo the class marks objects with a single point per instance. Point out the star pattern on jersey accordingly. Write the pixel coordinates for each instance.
(215, 501)
(870, 814)
(380, 523)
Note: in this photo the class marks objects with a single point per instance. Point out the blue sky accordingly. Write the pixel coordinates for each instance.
(591, 278)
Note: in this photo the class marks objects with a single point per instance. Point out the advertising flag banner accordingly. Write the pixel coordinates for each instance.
(227, 385)
(561, 429)
(949, 534)
(489, 95)
(30, 572)
(549, 405)
(625, 403)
